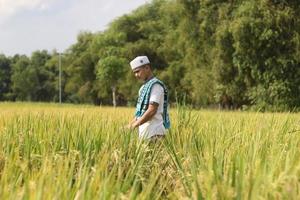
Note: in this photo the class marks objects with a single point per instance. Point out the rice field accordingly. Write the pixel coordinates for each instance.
(51, 151)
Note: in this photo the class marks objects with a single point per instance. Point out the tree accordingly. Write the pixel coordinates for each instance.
(44, 89)
(5, 74)
(79, 67)
(266, 54)
(24, 80)
(109, 73)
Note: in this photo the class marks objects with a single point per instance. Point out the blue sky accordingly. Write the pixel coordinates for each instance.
(30, 25)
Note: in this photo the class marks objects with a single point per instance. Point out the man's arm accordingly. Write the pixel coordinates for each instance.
(150, 112)
(155, 96)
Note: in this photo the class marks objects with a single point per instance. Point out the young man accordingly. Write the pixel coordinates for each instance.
(151, 116)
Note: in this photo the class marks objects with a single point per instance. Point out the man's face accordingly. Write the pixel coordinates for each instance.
(141, 73)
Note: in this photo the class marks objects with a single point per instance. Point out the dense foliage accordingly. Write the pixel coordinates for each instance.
(241, 54)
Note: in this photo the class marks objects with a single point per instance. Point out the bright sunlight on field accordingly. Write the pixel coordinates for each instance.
(50, 151)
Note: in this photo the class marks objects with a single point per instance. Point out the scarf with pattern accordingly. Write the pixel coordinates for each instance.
(143, 100)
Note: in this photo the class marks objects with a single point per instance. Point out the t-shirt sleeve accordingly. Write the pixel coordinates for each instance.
(156, 94)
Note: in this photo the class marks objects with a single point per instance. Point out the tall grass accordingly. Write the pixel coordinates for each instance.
(50, 151)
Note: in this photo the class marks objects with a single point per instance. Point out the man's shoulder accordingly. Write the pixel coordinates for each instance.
(158, 88)
(157, 81)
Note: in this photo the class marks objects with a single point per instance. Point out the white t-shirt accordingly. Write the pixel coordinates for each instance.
(155, 125)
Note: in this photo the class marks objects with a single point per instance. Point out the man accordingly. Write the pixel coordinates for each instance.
(151, 116)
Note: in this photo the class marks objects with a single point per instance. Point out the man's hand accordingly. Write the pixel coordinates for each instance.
(132, 125)
(128, 126)
(152, 109)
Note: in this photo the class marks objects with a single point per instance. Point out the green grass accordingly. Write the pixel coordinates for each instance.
(51, 151)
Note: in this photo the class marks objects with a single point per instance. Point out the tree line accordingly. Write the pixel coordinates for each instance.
(238, 53)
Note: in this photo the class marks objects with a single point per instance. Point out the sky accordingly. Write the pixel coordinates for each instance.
(30, 25)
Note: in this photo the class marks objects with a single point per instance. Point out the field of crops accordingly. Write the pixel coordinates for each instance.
(51, 151)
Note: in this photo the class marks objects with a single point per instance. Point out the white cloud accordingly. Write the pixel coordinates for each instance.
(29, 27)
(9, 8)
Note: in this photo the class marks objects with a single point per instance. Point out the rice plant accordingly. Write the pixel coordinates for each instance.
(51, 151)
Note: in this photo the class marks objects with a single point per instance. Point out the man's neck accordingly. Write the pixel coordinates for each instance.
(149, 78)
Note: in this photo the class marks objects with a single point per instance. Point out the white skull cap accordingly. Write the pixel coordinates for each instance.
(139, 61)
